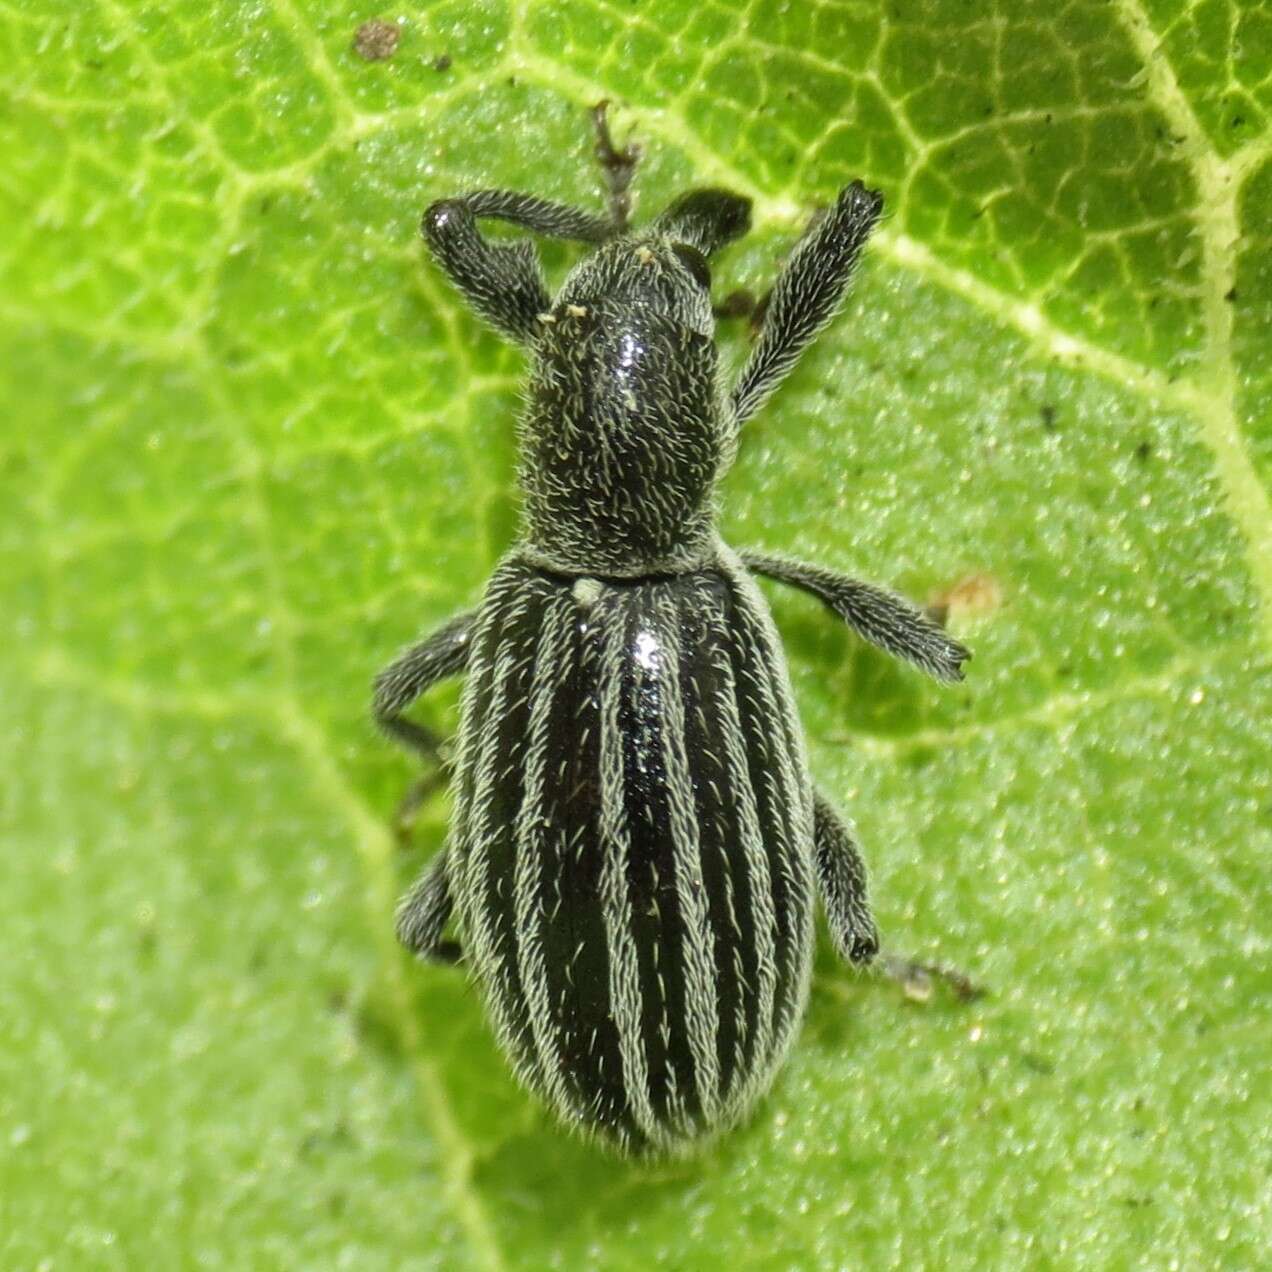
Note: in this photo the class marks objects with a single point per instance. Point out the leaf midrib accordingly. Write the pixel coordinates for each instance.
(1218, 184)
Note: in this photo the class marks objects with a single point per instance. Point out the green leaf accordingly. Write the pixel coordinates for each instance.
(252, 445)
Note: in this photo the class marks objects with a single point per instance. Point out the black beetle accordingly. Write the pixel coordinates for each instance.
(635, 841)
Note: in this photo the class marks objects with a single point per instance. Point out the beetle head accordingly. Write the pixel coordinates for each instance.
(640, 277)
(661, 273)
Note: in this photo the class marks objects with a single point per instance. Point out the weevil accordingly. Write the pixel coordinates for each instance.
(636, 844)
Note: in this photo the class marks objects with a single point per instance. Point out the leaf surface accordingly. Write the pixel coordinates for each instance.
(252, 445)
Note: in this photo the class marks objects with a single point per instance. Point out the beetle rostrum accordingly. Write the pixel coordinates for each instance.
(636, 845)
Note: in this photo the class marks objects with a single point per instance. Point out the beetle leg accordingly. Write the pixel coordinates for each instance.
(619, 166)
(425, 911)
(417, 794)
(807, 294)
(841, 879)
(441, 654)
(885, 620)
(503, 283)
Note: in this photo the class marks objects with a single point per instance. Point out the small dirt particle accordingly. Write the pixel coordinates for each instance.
(442, 63)
(376, 40)
(976, 594)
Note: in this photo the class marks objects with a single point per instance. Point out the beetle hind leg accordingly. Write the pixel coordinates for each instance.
(841, 878)
(424, 912)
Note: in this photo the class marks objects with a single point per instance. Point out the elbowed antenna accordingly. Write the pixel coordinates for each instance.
(706, 219)
(503, 281)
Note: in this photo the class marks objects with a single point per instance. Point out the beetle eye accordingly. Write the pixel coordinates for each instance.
(694, 261)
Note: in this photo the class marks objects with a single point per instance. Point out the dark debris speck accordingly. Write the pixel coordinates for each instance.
(1037, 1063)
(737, 304)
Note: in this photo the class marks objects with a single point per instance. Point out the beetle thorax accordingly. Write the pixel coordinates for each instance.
(624, 433)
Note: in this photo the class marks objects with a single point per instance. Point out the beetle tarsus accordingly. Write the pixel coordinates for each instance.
(415, 797)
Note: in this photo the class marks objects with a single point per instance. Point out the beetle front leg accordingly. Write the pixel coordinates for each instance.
(504, 284)
(806, 294)
(425, 911)
(841, 880)
(443, 653)
(885, 620)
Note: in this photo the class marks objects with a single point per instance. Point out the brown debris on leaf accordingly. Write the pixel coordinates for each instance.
(974, 596)
(376, 40)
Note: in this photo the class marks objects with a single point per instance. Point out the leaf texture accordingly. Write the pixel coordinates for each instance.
(251, 445)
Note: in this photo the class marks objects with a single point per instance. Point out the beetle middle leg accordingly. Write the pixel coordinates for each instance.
(885, 620)
(439, 655)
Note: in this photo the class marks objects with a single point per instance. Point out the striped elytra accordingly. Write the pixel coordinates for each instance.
(631, 845)
(635, 846)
